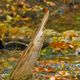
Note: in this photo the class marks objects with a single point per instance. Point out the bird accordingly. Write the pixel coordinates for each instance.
(30, 55)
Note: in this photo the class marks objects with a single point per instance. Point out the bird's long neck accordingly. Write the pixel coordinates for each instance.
(43, 23)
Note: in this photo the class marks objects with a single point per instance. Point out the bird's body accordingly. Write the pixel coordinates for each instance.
(30, 55)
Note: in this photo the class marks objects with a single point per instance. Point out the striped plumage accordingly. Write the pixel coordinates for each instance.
(31, 54)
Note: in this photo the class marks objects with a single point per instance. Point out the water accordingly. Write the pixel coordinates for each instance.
(44, 69)
(60, 68)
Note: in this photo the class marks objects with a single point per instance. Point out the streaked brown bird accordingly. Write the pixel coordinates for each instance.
(30, 55)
